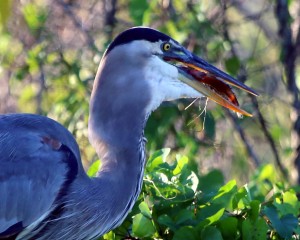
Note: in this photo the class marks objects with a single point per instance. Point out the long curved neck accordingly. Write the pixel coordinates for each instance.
(118, 138)
(116, 127)
(117, 117)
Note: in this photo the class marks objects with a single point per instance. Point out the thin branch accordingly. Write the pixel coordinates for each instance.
(242, 134)
(288, 54)
(262, 121)
(267, 134)
(256, 18)
(110, 7)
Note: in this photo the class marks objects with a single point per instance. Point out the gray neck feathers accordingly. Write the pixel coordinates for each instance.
(118, 110)
(116, 126)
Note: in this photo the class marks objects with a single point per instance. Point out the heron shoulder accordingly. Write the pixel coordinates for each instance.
(36, 169)
(13, 127)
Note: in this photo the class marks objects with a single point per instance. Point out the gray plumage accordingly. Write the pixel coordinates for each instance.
(44, 191)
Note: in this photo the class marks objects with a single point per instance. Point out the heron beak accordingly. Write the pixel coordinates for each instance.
(207, 79)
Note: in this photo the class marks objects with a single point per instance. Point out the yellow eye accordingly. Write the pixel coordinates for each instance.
(166, 47)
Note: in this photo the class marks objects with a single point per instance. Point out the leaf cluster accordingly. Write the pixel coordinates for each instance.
(178, 203)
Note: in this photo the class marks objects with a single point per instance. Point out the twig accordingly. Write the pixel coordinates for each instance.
(267, 134)
(110, 7)
(260, 116)
(256, 18)
(234, 120)
(242, 134)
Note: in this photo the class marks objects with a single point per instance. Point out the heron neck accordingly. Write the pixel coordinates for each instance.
(117, 133)
(121, 175)
(123, 161)
(119, 148)
(116, 125)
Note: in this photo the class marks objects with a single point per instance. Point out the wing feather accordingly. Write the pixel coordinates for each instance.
(35, 169)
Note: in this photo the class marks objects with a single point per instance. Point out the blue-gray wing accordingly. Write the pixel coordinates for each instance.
(36, 167)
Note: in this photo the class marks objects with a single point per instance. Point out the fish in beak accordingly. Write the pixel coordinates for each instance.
(205, 78)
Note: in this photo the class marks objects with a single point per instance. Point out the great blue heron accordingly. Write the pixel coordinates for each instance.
(44, 191)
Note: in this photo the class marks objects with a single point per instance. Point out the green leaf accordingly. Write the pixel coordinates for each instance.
(210, 233)
(255, 210)
(214, 218)
(209, 214)
(157, 159)
(110, 235)
(228, 227)
(266, 172)
(290, 203)
(184, 217)
(284, 225)
(186, 232)
(167, 221)
(247, 230)
(254, 230)
(145, 210)
(225, 194)
(290, 197)
(228, 187)
(210, 184)
(142, 226)
(241, 198)
(137, 9)
(181, 163)
(93, 169)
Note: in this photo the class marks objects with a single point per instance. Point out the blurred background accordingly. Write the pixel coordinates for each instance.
(50, 51)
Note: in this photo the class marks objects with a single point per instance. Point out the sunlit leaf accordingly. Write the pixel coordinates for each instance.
(181, 162)
(214, 218)
(93, 169)
(142, 226)
(157, 158)
(145, 210)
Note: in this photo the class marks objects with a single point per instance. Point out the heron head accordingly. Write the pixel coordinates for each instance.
(159, 67)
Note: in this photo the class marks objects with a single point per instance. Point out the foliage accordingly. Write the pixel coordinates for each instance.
(177, 203)
(49, 53)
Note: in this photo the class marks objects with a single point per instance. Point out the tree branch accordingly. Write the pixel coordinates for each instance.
(242, 134)
(288, 58)
(262, 121)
